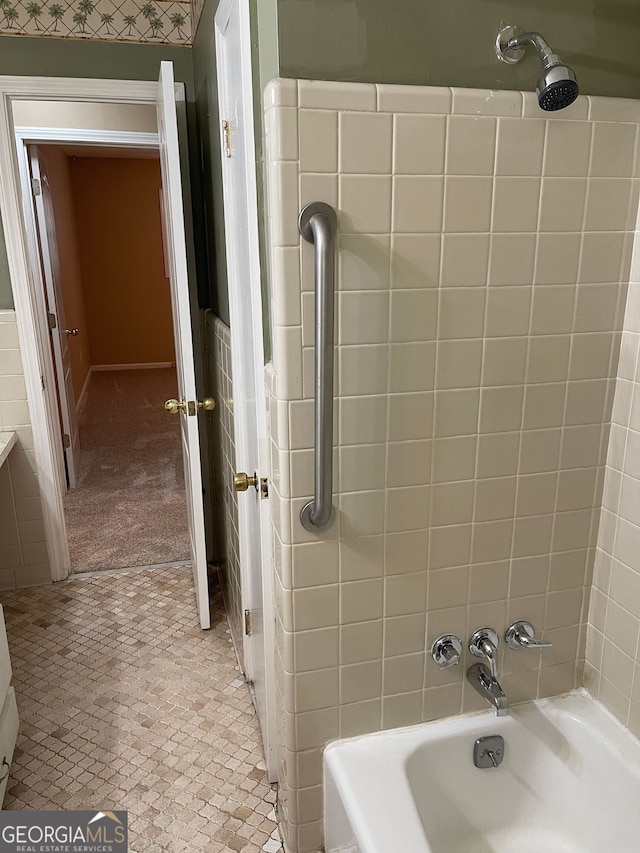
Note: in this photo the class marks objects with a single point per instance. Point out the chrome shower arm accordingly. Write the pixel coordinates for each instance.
(546, 54)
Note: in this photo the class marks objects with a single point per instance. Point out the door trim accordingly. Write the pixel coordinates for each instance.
(26, 136)
(252, 247)
(37, 361)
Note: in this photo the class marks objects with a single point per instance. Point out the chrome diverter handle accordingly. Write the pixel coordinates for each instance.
(521, 635)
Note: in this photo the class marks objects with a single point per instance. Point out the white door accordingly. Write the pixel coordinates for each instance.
(46, 228)
(233, 60)
(175, 243)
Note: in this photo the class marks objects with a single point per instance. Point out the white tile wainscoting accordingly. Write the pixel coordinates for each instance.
(24, 559)
(483, 261)
(224, 452)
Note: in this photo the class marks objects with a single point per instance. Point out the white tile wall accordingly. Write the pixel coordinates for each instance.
(612, 670)
(227, 499)
(23, 552)
(483, 259)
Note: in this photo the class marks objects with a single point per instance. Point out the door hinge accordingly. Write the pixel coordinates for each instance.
(36, 189)
(52, 320)
(226, 129)
(66, 441)
(248, 623)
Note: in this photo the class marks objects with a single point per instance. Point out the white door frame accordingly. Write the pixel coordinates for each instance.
(252, 248)
(36, 357)
(26, 136)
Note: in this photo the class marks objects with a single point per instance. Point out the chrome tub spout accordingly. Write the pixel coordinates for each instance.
(487, 686)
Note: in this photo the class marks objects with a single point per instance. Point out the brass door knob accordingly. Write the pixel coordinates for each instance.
(73, 332)
(208, 404)
(174, 406)
(242, 481)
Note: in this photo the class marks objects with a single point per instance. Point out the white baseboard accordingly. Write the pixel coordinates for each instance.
(151, 365)
(82, 399)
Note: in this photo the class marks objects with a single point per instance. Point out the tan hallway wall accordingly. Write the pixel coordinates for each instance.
(128, 303)
(57, 164)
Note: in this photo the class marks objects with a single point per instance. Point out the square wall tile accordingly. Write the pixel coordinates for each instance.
(360, 643)
(601, 257)
(365, 143)
(552, 310)
(361, 557)
(464, 261)
(363, 420)
(467, 204)
(459, 364)
(567, 148)
(410, 416)
(318, 140)
(512, 259)
(363, 317)
(515, 204)
(417, 204)
(405, 594)
(365, 204)
(414, 315)
(408, 463)
(607, 204)
(454, 458)
(520, 146)
(562, 204)
(412, 366)
(557, 258)
(456, 412)
(364, 262)
(507, 311)
(471, 142)
(415, 260)
(362, 370)
(461, 312)
(504, 361)
(419, 144)
(613, 149)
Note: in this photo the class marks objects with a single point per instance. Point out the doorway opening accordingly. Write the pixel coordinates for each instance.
(42, 340)
(98, 217)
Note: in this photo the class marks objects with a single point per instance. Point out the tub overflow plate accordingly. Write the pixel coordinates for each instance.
(488, 751)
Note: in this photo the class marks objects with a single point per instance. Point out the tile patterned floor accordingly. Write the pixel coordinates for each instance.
(126, 704)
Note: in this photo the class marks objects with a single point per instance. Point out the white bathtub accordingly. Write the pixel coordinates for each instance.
(569, 783)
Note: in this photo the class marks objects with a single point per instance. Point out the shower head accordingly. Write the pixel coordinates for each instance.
(557, 85)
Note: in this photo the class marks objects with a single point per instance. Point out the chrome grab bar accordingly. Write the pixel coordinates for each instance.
(318, 224)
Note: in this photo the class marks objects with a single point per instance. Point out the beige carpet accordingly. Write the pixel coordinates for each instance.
(129, 506)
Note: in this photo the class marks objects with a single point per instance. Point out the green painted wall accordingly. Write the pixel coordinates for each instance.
(450, 43)
(6, 299)
(208, 145)
(265, 68)
(47, 57)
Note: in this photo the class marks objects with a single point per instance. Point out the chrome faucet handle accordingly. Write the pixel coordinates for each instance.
(446, 651)
(483, 643)
(522, 635)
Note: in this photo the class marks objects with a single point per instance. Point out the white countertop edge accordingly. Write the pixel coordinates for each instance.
(7, 440)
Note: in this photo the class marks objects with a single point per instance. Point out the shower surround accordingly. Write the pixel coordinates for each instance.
(483, 261)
